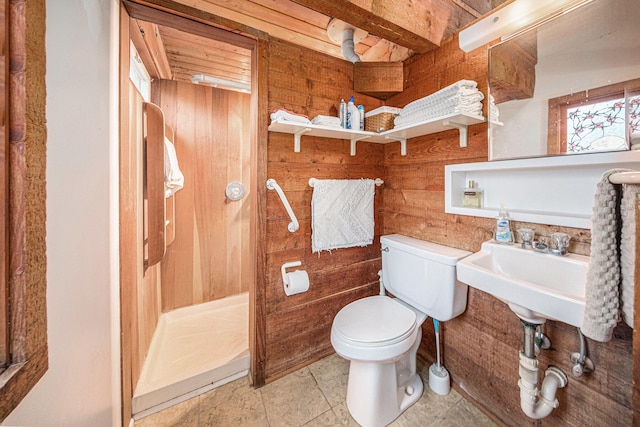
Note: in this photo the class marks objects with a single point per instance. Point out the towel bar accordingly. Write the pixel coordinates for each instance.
(273, 185)
(377, 181)
(625, 178)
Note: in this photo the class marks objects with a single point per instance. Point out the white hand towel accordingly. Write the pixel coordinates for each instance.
(173, 178)
(342, 214)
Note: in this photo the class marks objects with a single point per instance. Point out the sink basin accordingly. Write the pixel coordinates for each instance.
(536, 286)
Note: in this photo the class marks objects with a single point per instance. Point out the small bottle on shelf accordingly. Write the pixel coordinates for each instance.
(472, 196)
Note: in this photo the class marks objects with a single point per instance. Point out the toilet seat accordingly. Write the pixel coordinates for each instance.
(374, 328)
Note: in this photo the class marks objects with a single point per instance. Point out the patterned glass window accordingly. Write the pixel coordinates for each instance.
(601, 126)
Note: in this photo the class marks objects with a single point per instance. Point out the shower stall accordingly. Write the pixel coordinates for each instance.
(204, 279)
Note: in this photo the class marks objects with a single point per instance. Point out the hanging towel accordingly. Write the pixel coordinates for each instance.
(341, 214)
(173, 178)
(603, 289)
(630, 193)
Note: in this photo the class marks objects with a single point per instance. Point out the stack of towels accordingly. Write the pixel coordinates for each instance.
(460, 97)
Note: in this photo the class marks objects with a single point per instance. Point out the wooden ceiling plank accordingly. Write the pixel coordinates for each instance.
(170, 35)
(153, 40)
(273, 30)
(384, 50)
(404, 22)
(143, 51)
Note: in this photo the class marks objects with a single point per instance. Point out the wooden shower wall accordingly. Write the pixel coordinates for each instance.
(210, 257)
(298, 327)
(481, 346)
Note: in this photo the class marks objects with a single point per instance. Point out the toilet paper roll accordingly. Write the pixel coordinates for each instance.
(297, 282)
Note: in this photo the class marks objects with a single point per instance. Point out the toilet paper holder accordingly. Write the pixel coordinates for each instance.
(285, 278)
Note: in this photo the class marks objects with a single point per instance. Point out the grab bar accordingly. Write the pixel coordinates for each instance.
(273, 185)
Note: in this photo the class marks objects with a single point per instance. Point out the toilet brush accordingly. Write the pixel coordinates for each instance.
(438, 374)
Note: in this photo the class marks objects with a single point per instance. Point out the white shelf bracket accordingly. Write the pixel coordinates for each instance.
(353, 144)
(464, 139)
(403, 143)
(296, 139)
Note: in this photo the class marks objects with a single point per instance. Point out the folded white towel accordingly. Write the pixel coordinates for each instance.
(326, 121)
(173, 178)
(289, 116)
(494, 111)
(342, 214)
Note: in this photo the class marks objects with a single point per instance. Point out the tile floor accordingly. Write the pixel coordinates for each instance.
(313, 396)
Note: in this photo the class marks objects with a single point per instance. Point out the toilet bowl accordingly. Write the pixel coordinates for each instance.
(380, 335)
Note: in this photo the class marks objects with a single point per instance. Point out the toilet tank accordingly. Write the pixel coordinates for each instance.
(423, 275)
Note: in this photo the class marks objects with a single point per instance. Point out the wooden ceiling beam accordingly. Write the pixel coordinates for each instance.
(418, 26)
(153, 41)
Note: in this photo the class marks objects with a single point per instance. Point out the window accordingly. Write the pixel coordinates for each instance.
(601, 119)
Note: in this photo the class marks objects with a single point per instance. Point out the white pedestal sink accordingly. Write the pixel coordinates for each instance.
(536, 286)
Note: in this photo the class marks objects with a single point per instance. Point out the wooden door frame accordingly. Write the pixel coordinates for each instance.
(204, 24)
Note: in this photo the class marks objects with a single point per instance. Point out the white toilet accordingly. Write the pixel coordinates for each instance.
(380, 335)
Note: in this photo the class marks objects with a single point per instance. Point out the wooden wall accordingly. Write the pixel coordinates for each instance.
(210, 257)
(298, 327)
(481, 346)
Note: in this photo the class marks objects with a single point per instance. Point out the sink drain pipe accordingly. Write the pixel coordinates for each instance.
(536, 403)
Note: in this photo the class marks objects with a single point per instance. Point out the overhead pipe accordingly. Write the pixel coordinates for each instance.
(348, 47)
(537, 404)
(347, 36)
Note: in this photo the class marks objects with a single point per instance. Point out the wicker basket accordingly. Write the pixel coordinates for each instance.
(380, 119)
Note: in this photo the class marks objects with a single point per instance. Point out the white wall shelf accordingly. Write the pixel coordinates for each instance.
(555, 190)
(401, 134)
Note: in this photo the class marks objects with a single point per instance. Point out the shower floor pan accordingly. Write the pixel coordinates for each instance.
(193, 350)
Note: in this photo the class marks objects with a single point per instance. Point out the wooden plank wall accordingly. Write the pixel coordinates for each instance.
(481, 346)
(298, 327)
(210, 257)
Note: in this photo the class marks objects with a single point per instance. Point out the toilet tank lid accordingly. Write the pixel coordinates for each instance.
(432, 251)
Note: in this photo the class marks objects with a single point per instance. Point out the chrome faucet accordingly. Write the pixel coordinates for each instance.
(561, 243)
(541, 245)
(526, 235)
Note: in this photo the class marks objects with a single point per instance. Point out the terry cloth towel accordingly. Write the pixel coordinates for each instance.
(326, 121)
(341, 214)
(604, 294)
(630, 194)
(173, 178)
(289, 116)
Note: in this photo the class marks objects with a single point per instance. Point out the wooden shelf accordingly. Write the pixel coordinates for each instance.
(401, 134)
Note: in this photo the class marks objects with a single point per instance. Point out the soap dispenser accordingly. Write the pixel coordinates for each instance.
(503, 228)
(472, 196)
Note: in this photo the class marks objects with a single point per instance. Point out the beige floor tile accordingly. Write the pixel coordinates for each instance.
(310, 397)
(183, 414)
(430, 406)
(293, 400)
(234, 404)
(326, 419)
(343, 416)
(332, 374)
